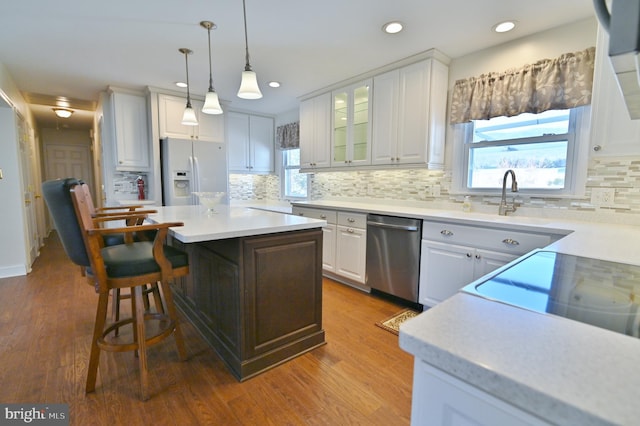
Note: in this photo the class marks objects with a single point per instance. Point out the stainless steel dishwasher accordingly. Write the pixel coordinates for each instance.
(393, 255)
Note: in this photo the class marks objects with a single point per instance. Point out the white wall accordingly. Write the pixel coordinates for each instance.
(13, 250)
(14, 259)
(517, 53)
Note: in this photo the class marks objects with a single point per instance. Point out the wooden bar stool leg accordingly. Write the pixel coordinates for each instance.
(141, 341)
(94, 357)
(155, 289)
(173, 314)
(115, 307)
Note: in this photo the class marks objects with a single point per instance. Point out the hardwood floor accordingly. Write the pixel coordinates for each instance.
(360, 377)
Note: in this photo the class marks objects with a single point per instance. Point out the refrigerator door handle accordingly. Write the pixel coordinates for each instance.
(194, 183)
(196, 173)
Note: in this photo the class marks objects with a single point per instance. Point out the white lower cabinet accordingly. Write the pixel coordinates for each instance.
(344, 245)
(351, 246)
(448, 267)
(455, 255)
(441, 399)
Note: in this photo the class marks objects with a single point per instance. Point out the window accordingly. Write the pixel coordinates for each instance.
(294, 182)
(542, 149)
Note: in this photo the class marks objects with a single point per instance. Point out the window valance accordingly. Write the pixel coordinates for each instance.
(561, 83)
(288, 136)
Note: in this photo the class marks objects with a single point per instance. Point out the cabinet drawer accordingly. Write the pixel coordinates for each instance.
(354, 220)
(328, 215)
(503, 240)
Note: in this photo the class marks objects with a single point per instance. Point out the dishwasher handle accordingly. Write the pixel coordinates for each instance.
(390, 226)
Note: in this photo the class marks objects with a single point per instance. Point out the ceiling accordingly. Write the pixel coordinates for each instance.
(76, 48)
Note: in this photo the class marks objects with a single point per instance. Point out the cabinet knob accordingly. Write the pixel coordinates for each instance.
(350, 219)
(469, 255)
(511, 242)
(350, 230)
(323, 216)
(597, 148)
(446, 233)
(478, 256)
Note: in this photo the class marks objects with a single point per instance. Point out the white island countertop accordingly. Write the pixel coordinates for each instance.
(228, 222)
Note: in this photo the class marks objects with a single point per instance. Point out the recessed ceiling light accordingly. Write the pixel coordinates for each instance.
(392, 27)
(274, 84)
(504, 27)
(181, 84)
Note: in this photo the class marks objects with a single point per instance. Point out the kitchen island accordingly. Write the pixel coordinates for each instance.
(255, 287)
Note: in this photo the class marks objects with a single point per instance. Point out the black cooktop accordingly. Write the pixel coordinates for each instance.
(592, 291)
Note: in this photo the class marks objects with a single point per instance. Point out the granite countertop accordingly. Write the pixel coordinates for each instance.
(228, 222)
(561, 370)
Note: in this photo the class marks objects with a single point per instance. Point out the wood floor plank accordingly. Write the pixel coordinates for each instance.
(360, 377)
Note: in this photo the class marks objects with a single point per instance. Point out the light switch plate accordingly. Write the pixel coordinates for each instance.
(603, 197)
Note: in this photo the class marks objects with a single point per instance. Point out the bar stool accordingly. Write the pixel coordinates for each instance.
(130, 265)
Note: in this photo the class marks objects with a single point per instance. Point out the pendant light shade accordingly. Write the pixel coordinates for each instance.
(249, 88)
(189, 116)
(211, 101)
(212, 104)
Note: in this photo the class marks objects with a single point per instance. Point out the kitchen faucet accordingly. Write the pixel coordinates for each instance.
(504, 207)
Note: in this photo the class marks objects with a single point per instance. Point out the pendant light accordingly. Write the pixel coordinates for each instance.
(189, 115)
(211, 101)
(249, 86)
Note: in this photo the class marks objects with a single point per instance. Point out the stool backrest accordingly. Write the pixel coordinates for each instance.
(57, 196)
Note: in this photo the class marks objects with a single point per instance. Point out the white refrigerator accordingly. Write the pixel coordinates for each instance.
(192, 166)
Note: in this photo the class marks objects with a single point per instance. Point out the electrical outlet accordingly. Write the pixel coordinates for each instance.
(603, 197)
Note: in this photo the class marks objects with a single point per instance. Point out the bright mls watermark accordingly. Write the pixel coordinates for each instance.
(36, 414)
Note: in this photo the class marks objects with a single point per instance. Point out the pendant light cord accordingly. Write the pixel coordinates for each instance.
(247, 67)
(186, 62)
(210, 74)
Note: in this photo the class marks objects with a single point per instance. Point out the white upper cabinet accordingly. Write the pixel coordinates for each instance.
(613, 133)
(129, 123)
(315, 136)
(251, 143)
(393, 116)
(351, 125)
(210, 127)
(409, 114)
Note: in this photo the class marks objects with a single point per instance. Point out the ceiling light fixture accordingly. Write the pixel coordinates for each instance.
(63, 112)
(504, 27)
(189, 115)
(274, 84)
(249, 88)
(181, 84)
(211, 101)
(392, 27)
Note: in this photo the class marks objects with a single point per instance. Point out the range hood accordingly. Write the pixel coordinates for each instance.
(623, 25)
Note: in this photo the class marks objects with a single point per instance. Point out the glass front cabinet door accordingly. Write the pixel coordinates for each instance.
(351, 129)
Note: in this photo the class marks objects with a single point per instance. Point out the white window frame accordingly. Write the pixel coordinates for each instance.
(283, 179)
(577, 158)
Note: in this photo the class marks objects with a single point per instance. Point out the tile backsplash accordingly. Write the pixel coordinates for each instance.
(433, 187)
(125, 186)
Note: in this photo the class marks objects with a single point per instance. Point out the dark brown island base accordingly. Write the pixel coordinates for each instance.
(256, 299)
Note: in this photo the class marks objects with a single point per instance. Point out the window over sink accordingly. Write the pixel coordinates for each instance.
(543, 149)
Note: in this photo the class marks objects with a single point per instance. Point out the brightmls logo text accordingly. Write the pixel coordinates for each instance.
(37, 414)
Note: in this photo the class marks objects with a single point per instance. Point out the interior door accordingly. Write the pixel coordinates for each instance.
(28, 190)
(63, 161)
